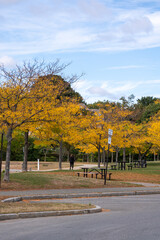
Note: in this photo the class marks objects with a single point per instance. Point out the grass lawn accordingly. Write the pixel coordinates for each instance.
(55, 180)
(150, 174)
(153, 168)
(69, 179)
(24, 206)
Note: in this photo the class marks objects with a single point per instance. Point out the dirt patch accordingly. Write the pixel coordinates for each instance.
(105, 210)
(136, 177)
(121, 176)
(15, 165)
(14, 186)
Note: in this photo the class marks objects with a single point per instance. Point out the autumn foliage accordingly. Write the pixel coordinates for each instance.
(34, 99)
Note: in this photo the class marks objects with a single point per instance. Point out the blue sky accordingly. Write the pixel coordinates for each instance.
(115, 43)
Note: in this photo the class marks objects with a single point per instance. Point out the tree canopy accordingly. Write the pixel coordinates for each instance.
(36, 99)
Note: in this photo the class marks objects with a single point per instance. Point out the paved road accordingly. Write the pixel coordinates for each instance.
(129, 218)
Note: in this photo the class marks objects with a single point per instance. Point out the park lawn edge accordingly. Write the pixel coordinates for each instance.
(25, 206)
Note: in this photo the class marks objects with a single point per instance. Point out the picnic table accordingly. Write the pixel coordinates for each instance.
(113, 166)
(122, 165)
(138, 164)
(94, 171)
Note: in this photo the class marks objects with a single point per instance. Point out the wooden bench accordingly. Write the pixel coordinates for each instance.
(78, 174)
(140, 164)
(136, 164)
(81, 173)
(113, 167)
(87, 174)
(109, 176)
(130, 167)
(92, 174)
(143, 165)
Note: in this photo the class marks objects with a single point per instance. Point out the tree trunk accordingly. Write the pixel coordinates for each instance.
(25, 160)
(45, 155)
(68, 154)
(112, 157)
(87, 157)
(99, 157)
(1, 158)
(91, 157)
(60, 154)
(8, 155)
(117, 150)
(154, 157)
(124, 154)
(140, 157)
(157, 156)
(104, 156)
(130, 157)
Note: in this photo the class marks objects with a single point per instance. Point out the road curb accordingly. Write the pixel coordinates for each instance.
(64, 196)
(80, 195)
(3, 217)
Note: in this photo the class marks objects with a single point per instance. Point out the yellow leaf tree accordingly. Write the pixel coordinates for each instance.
(25, 93)
(61, 126)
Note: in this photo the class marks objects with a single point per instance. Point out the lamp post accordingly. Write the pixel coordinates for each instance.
(110, 133)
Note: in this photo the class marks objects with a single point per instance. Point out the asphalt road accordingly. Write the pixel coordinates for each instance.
(129, 218)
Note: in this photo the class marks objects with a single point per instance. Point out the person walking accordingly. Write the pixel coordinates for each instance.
(71, 160)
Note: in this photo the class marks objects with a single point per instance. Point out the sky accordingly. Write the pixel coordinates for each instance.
(115, 44)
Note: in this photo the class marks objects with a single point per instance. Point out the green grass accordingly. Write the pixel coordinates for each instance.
(31, 179)
(153, 168)
(60, 179)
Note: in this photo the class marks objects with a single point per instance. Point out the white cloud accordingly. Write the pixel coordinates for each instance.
(88, 25)
(95, 9)
(153, 81)
(137, 25)
(81, 84)
(109, 90)
(7, 61)
(73, 37)
(101, 92)
(126, 87)
(52, 41)
(112, 90)
(97, 91)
